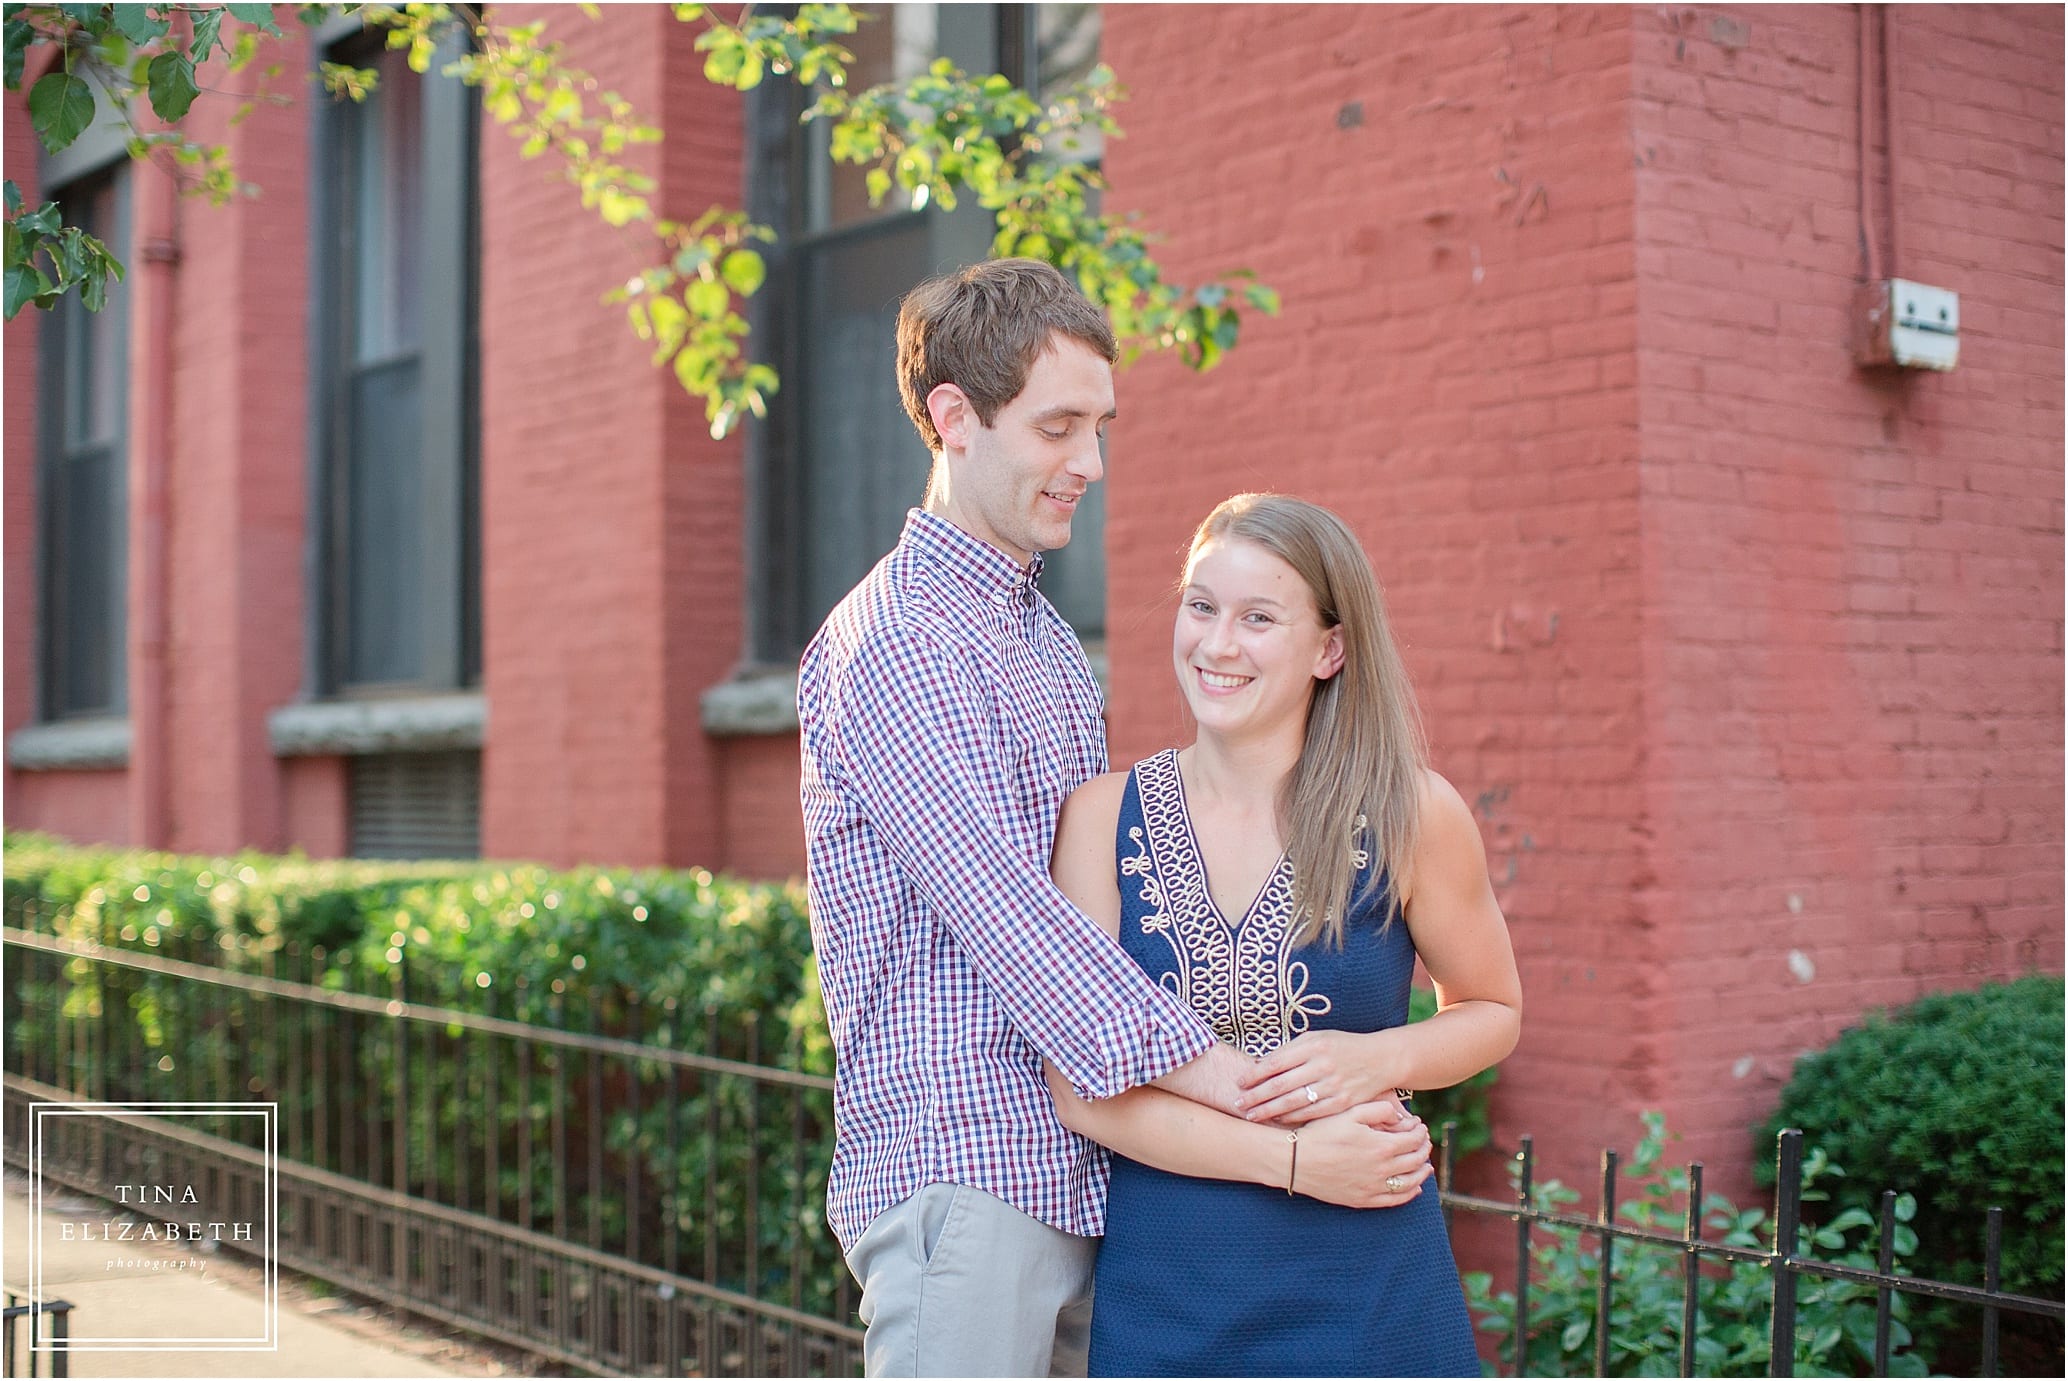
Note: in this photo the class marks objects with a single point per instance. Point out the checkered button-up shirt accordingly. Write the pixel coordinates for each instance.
(946, 710)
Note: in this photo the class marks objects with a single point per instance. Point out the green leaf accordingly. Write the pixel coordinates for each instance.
(708, 299)
(751, 69)
(258, 16)
(696, 371)
(1212, 295)
(13, 197)
(60, 107)
(25, 283)
(723, 66)
(172, 86)
(743, 272)
(1575, 1334)
(207, 29)
(19, 34)
(44, 220)
(1262, 298)
(93, 288)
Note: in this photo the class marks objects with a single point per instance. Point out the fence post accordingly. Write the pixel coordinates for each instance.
(1605, 1286)
(1522, 1204)
(1992, 1280)
(1690, 1300)
(1787, 1232)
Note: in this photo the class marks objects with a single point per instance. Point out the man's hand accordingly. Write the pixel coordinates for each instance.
(1370, 1157)
(1215, 1079)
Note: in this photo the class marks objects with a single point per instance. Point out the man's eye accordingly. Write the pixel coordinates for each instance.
(1053, 436)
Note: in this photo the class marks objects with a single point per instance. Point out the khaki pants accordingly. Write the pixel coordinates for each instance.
(956, 1282)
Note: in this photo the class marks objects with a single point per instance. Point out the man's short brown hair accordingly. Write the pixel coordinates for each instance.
(982, 328)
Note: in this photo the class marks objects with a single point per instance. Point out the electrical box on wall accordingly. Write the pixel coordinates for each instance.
(1909, 325)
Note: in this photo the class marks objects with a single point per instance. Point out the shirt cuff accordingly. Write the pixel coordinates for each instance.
(1142, 1046)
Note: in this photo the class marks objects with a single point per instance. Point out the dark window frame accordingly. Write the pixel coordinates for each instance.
(782, 160)
(59, 634)
(447, 653)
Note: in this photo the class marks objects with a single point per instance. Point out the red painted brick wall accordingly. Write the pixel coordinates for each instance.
(238, 464)
(1852, 579)
(1445, 198)
(611, 521)
(314, 814)
(762, 817)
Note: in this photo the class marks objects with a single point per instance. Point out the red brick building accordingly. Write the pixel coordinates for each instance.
(359, 526)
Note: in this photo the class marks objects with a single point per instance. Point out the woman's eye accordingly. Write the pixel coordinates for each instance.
(1201, 607)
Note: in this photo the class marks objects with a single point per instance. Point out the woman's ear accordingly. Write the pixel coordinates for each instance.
(952, 415)
(1331, 660)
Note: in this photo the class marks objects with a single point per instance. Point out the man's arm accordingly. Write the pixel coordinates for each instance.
(922, 757)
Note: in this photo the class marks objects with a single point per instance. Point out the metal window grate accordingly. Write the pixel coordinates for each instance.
(416, 805)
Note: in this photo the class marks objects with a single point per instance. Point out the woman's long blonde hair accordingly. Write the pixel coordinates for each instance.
(1357, 784)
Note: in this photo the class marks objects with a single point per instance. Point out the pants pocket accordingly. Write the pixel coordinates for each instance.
(940, 1213)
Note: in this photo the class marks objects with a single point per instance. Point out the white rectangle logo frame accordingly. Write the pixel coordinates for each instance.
(269, 1340)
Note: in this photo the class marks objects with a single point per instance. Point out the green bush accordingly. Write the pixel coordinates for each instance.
(1834, 1319)
(1956, 1098)
(680, 960)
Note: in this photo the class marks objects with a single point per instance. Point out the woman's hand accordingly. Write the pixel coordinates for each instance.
(1342, 1068)
(1372, 1156)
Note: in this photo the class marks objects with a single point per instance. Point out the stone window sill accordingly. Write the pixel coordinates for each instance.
(394, 724)
(74, 745)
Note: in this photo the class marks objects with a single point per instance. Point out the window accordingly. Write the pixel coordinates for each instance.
(838, 462)
(84, 510)
(395, 587)
(397, 583)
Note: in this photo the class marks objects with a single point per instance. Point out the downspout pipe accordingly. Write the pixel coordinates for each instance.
(150, 512)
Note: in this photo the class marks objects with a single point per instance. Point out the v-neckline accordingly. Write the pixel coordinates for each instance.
(1206, 886)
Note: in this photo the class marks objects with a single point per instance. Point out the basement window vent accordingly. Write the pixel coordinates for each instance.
(416, 805)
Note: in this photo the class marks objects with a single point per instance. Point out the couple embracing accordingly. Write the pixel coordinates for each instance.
(1148, 1028)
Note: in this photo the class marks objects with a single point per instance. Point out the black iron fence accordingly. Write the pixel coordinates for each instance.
(31, 1327)
(611, 1199)
(1785, 1262)
(614, 1200)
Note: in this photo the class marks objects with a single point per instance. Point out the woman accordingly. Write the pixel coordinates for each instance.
(1281, 874)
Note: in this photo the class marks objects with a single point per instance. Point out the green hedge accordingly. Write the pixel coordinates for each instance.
(1956, 1098)
(677, 959)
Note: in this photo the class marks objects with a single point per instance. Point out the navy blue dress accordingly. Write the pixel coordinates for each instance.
(1201, 1277)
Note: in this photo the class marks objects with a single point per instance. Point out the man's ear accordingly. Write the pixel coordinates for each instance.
(952, 414)
(1331, 660)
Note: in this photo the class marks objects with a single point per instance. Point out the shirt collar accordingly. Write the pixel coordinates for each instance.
(976, 563)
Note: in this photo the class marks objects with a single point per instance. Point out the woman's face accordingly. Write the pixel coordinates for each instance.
(1249, 642)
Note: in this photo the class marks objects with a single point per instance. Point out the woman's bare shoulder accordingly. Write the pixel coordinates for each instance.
(1096, 802)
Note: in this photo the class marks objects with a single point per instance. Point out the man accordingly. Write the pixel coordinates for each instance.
(946, 710)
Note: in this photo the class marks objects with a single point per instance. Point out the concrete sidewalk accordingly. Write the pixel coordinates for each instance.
(156, 1289)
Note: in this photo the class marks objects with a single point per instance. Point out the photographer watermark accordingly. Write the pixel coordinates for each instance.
(184, 1202)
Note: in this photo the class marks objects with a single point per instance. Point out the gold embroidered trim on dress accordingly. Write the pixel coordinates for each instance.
(1238, 975)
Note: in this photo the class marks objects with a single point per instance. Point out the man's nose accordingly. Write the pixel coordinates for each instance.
(1089, 464)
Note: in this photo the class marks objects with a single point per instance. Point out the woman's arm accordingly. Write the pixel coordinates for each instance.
(1346, 1159)
(1462, 939)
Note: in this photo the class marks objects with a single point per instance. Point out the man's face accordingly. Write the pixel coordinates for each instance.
(1020, 480)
